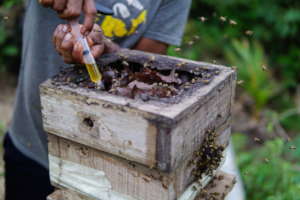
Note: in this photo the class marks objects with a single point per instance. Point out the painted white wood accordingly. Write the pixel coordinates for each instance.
(125, 177)
(85, 180)
(94, 184)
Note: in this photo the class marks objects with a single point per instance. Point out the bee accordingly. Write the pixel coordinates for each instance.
(240, 82)
(196, 37)
(234, 68)
(191, 43)
(164, 185)
(125, 63)
(177, 49)
(256, 139)
(232, 22)
(194, 188)
(181, 64)
(146, 179)
(264, 68)
(220, 178)
(152, 58)
(249, 32)
(292, 147)
(206, 81)
(146, 64)
(203, 19)
(215, 193)
(223, 19)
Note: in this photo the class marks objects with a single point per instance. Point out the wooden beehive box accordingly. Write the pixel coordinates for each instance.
(146, 148)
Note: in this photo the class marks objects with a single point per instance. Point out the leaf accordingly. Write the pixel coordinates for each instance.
(10, 50)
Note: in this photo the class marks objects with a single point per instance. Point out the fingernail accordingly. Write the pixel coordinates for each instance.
(68, 36)
(83, 31)
(77, 46)
(65, 28)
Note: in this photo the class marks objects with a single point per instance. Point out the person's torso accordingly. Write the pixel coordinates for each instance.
(40, 61)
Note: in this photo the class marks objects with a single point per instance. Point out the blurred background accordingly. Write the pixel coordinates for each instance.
(259, 39)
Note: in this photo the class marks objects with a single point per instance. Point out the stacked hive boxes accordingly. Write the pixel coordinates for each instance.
(112, 147)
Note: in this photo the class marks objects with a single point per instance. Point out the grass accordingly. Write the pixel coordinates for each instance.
(270, 171)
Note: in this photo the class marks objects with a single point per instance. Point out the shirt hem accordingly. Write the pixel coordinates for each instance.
(25, 151)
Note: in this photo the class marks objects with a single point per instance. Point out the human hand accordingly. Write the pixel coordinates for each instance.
(71, 9)
(71, 49)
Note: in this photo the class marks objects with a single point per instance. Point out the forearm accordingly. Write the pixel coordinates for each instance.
(152, 46)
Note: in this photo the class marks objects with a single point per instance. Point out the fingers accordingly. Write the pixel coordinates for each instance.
(63, 41)
(67, 43)
(59, 5)
(90, 12)
(46, 3)
(96, 34)
(77, 53)
(72, 10)
(97, 50)
(72, 50)
(59, 35)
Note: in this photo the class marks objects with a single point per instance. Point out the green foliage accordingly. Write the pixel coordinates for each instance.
(267, 171)
(250, 60)
(275, 24)
(10, 36)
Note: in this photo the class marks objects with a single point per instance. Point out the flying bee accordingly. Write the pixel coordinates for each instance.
(177, 49)
(203, 19)
(264, 68)
(232, 22)
(191, 43)
(196, 37)
(292, 147)
(223, 19)
(249, 32)
(234, 68)
(256, 139)
(240, 82)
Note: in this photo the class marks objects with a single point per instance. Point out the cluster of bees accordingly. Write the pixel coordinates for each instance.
(208, 157)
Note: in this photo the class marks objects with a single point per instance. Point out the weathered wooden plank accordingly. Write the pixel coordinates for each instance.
(218, 188)
(125, 177)
(155, 134)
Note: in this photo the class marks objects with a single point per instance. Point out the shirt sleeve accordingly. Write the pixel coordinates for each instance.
(169, 22)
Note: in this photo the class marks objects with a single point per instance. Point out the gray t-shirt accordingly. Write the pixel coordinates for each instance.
(161, 20)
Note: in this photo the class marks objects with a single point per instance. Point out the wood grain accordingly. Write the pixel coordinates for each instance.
(217, 188)
(127, 177)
